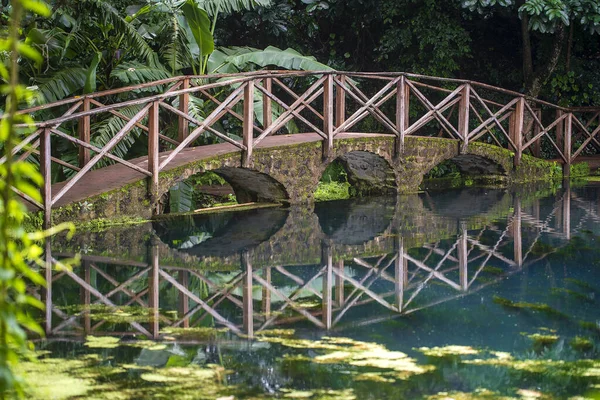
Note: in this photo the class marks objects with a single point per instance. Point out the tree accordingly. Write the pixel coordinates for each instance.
(543, 31)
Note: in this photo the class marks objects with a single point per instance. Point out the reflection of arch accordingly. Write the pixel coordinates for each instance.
(222, 234)
(465, 202)
(368, 173)
(355, 222)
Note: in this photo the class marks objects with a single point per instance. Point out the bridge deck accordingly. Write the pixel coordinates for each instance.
(116, 176)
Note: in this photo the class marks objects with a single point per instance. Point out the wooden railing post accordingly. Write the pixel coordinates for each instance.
(184, 101)
(248, 124)
(560, 130)
(463, 117)
(247, 299)
(536, 148)
(517, 234)
(153, 151)
(463, 261)
(328, 116)
(183, 277)
(516, 129)
(153, 291)
(84, 134)
(567, 146)
(46, 170)
(267, 105)
(327, 262)
(402, 113)
(340, 102)
(400, 272)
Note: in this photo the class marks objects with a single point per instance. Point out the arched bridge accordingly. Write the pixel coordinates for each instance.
(271, 134)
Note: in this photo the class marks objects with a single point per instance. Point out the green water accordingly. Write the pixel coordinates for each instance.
(462, 294)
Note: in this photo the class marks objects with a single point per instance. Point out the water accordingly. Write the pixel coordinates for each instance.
(471, 293)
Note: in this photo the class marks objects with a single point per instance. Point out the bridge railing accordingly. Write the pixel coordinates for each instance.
(243, 110)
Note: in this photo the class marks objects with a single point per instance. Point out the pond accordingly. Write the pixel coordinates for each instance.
(471, 293)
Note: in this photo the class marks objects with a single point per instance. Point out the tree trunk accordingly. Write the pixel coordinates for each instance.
(543, 72)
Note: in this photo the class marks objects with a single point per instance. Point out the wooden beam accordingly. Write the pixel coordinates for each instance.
(84, 133)
(153, 152)
(267, 105)
(46, 170)
(248, 125)
(183, 128)
(463, 117)
(340, 101)
(328, 117)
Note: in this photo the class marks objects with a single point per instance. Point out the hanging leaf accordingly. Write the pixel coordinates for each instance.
(181, 197)
(199, 23)
(90, 79)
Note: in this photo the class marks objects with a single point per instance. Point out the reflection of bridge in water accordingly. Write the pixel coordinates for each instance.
(394, 271)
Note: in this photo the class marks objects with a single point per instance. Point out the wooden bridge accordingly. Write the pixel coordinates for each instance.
(244, 118)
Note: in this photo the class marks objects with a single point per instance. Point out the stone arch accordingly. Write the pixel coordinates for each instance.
(249, 185)
(367, 172)
(473, 165)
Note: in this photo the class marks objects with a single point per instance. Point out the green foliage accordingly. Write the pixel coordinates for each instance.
(18, 248)
(200, 26)
(446, 169)
(327, 191)
(580, 170)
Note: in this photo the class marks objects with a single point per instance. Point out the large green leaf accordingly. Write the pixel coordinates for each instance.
(63, 83)
(90, 79)
(131, 73)
(272, 56)
(181, 197)
(200, 25)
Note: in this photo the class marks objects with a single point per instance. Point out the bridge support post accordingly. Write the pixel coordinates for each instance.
(328, 116)
(248, 127)
(84, 134)
(567, 146)
(463, 117)
(402, 114)
(153, 150)
(516, 130)
(45, 168)
(184, 100)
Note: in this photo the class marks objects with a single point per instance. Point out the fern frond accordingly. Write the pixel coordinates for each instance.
(227, 6)
(131, 73)
(132, 36)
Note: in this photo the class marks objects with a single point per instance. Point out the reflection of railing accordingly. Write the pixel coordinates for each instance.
(401, 282)
(332, 103)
